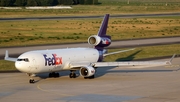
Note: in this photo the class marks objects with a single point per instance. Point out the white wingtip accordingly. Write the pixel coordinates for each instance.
(172, 58)
(6, 55)
(170, 61)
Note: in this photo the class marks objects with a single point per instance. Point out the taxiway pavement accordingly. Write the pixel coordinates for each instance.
(119, 84)
(85, 17)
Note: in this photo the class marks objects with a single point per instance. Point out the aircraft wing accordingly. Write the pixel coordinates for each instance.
(131, 63)
(9, 58)
(134, 63)
(75, 65)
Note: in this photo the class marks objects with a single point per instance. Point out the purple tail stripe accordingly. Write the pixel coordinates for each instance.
(102, 30)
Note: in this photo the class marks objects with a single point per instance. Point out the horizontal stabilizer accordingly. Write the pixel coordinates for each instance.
(117, 52)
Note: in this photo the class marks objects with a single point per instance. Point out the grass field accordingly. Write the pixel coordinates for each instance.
(145, 52)
(105, 6)
(138, 53)
(22, 33)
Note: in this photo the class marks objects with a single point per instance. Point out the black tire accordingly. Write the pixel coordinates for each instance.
(57, 74)
(70, 75)
(50, 75)
(31, 81)
(74, 75)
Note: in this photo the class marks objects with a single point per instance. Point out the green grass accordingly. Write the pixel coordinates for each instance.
(145, 52)
(138, 53)
(6, 65)
(22, 33)
(106, 6)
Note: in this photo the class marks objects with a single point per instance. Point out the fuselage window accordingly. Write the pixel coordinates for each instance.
(26, 60)
(23, 59)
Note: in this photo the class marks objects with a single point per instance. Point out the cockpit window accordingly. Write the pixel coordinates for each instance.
(23, 59)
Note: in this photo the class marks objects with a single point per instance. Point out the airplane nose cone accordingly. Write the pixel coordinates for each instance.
(20, 66)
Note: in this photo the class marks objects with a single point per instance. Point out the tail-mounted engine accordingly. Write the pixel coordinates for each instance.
(99, 41)
(87, 71)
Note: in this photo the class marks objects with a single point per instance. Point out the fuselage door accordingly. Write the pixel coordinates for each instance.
(33, 65)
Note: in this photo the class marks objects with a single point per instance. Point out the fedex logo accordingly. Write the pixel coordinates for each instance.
(53, 60)
(105, 41)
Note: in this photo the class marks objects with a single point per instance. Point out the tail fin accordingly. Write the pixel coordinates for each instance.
(101, 40)
(103, 28)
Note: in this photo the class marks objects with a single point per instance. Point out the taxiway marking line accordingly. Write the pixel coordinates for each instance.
(38, 87)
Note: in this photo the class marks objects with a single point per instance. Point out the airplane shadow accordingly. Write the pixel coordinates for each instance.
(130, 57)
(102, 71)
(43, 76)
(61, 73)
(105, 70)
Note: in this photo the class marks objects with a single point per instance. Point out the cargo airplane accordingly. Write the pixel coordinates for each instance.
(86, 60)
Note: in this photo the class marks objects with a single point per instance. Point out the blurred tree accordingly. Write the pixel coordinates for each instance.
(32, 3)
(21, 2)
(45, 2)
(7, 2)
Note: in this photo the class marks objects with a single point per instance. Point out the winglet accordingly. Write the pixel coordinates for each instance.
(9, 58)
(170, 61)
(172, 58)
(6, 55)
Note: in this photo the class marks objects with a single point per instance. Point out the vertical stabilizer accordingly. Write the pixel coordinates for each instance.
(103, 28)
(101, 40)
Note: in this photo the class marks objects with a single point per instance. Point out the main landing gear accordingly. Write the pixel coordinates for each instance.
(72, 74)
(53, 74)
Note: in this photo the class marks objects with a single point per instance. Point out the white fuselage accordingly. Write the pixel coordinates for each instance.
(42, 61)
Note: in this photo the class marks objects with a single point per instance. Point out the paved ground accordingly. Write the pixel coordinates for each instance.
(120, 84)
(85, 17)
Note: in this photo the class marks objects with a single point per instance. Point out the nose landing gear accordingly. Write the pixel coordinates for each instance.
(31, 81)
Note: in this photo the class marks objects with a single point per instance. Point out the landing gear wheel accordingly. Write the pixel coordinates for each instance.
(31, 81)
(50, 75)
(57, 75)
(72, 75)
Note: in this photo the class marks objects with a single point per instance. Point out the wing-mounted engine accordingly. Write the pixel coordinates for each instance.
(87, 71)
(98, 41)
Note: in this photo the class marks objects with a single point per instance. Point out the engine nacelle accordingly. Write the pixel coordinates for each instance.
(87, 71)
(99, 41)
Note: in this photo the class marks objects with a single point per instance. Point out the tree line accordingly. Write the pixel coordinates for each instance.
(46, 2)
